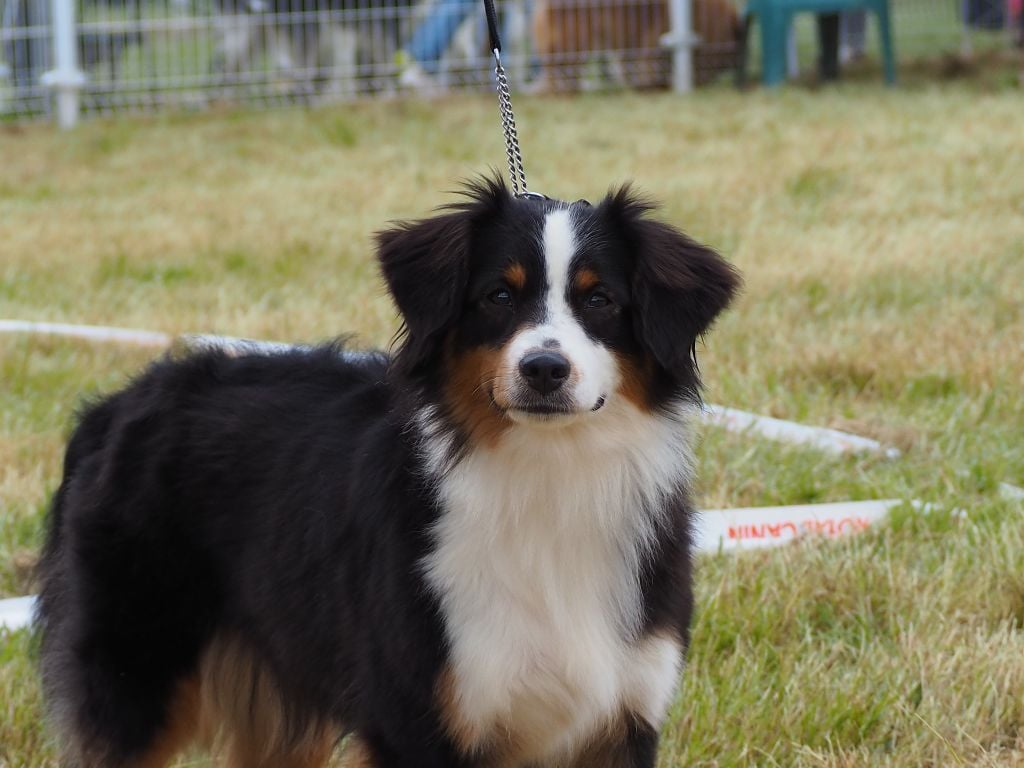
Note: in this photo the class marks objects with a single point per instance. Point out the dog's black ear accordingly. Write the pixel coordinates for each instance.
(678, 286)
(426, 266)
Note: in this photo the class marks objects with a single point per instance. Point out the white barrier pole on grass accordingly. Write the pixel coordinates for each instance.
(16, 612)
(755, 527)
(65, 79)
(731, 419)
(91, 332)
(822, 438)
(1011, 492)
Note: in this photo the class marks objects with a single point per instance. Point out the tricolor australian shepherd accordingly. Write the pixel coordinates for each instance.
(472, 553)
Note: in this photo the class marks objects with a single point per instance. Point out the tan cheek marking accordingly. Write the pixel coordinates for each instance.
(635, 378)
(515, 276)
(472, 378)
(586, 280)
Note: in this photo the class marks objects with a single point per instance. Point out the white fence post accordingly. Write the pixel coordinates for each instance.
(65, 79)
(681, 40)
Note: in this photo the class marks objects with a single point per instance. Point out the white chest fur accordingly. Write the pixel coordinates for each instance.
(536, 566)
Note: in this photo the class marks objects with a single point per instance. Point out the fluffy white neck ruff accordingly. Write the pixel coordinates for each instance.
(537, 562)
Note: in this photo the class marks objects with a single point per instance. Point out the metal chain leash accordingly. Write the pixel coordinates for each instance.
(517, 175)
(508, 124)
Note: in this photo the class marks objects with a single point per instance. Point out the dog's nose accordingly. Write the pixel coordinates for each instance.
(545, 370)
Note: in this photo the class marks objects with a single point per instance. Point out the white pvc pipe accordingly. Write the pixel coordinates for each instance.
(1011, 492)
(755, 527)
(90, 332)
(16, 612)
(233, 345)
(238, 346)
(829, 440)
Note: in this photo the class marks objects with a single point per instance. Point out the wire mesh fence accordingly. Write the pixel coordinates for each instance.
(25, 32)
(145, 54)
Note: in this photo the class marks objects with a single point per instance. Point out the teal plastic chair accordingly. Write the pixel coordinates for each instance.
(776, 16)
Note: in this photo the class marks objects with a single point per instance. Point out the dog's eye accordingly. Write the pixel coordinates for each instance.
(502, 297)
(597, 300)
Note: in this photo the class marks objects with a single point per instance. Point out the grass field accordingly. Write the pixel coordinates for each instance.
(882, 239)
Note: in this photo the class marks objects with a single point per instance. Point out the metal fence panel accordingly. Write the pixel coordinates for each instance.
(25, 54)
(148, 54)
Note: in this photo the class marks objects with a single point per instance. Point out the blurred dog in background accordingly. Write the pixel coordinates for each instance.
(318, 45)
(625, 41)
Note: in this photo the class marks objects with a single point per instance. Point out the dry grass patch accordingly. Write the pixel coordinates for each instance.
(882, 239)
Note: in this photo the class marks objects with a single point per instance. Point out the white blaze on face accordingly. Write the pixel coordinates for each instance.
(594, 372)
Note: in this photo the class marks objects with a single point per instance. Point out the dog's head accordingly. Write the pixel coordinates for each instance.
(536, 312)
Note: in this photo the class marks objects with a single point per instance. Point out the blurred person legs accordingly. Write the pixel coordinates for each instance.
(792, 56)
(852, 33)
(444, 31)
(298, 48)
(430, 40)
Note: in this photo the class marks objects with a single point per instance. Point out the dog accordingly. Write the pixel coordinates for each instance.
(320, 45)
(568, 33)
(472, 552)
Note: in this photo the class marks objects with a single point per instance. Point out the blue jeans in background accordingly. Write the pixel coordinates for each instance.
(434, 34)
(852, 31)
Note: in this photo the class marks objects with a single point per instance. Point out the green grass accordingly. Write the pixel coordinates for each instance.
(881, 234)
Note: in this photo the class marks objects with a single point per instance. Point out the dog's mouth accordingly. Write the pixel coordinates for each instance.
(534, 410)
(544, 410)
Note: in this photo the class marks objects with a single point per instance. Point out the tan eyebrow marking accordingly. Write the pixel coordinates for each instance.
(515, 275)
(586, 279)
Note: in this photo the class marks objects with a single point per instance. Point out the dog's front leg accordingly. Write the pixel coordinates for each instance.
(630, 743)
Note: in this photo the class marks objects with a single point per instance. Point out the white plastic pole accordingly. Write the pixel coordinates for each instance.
(682, 41)
(829, 440)
(90, 332)
(1011, 492)
(66, 79)
(16, 612)
(755, 527)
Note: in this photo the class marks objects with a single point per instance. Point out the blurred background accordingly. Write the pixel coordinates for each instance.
(131, 55)
(231, 159)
